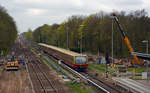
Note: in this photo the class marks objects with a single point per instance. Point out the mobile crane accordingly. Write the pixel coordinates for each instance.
(125, 38)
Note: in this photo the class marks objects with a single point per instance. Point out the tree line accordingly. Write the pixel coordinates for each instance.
(95, 33)
(8, 31)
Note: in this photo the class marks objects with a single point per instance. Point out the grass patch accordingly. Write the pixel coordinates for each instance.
(77, 88)
(137, 69)
(45, 62)
(50, 66)
(96, 90)
(100, 67)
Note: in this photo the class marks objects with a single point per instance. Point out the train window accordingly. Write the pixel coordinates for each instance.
(80, 59)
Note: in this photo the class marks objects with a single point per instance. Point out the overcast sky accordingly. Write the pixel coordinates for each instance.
(34, 13)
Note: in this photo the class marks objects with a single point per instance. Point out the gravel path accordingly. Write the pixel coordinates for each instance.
(14, 82)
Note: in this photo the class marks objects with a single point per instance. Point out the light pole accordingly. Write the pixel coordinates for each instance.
(146, 41)
(67, 38)
(112, 43)
(81, 40)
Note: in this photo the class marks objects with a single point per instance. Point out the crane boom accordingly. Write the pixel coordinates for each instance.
(125, 38)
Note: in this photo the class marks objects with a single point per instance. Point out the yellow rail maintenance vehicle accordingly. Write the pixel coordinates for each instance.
(12, 64)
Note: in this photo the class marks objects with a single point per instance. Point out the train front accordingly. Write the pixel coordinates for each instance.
(81, 62)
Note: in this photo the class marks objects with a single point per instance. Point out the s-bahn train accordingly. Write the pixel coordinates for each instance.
(74, 60)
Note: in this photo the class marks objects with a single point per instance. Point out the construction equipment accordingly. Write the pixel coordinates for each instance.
(125, 38)
(11, 64)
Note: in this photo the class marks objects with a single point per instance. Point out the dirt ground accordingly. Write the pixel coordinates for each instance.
(14, 81)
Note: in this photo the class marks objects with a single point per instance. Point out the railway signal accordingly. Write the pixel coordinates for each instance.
(107, 62)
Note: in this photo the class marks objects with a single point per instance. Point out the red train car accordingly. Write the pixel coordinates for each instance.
(72, 59)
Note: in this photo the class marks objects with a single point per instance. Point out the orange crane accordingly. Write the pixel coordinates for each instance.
(125, 38)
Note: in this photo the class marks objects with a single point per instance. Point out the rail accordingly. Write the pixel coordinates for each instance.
(80, 75)
(39, 79)
(47, 78)
(90, 81)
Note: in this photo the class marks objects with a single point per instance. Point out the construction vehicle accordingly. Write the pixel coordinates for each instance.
(11, 64)
(125, 38)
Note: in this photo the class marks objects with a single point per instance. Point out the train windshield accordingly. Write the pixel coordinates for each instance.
(80, 59)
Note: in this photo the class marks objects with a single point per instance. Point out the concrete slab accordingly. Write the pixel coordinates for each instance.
(133, 85)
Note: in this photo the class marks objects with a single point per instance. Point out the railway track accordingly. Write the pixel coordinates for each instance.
(44, 79)
(101, 84)
(45, 82)
(102, 90)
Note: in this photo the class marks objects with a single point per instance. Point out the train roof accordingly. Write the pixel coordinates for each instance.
(68, 52)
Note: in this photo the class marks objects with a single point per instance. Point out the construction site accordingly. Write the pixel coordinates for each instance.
(104, 52)
(27, 69)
